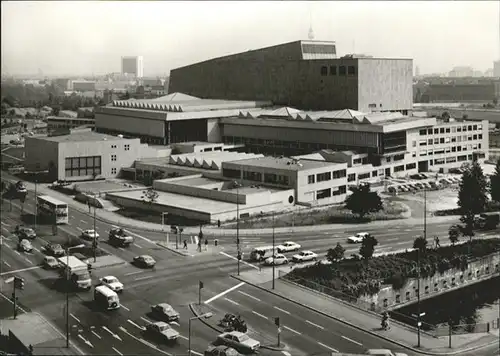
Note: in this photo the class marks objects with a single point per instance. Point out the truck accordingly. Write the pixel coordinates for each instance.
(75, 272)
(488, 221)
(118, 237)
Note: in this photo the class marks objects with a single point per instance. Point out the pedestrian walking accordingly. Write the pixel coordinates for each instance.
(206, 244)
(88, 203)
(185, 244)
(436, 241)
(199, 245)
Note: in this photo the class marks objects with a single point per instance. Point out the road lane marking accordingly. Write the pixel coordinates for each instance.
(132, 273)
(286, 353)
(174, 323)
(401, 243)
(262, 316)
(327, 347)
(83, 221)
(146, 320)
(27, 260)
(97, 335)
(7, 264)
(74, 317)
(5, 237)
(234, 258)
(281, 310)
(121, 249)
(137, 245)
(290, 329)
(232, 301)
(5, 229)
(144, 342)
(351, 340)
(250, 296)
(17, 253)
(5, 224)
(124, 307)
(139, 236)
(118, 352)
(137, 326)
(143, 278)
(183, 337)
(393, 239)
(316, 325)
(196, 353)
(224, 293)
(37, 250)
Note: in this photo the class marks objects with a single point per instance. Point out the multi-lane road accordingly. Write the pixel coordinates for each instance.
(175, 280)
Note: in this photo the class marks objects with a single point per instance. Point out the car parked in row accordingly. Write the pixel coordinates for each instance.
(221, 350)
(276, 260)
(358, 237)
(288, 246)
(305, 256)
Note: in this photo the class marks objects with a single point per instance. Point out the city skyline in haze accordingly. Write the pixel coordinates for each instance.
(80, 38)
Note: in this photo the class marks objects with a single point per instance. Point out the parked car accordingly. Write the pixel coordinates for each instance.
(24, 246)
(25, 232)
(305, 256)
(392, 189)
(416, 176)
(162, 331)
(54, 250)
(277, 259)
(112, 283)
(221, 350)
(90, 234)
(288, 246)
(144, 261)
(239, 341)
(50, 262)
(165, 312)
(357, 238)
(456, 170)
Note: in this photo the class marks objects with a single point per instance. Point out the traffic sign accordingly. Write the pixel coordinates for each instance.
(9, 280)
(279, 330)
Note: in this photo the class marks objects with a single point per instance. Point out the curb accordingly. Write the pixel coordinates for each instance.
(423, 352)
(172, 250)
(220, 331)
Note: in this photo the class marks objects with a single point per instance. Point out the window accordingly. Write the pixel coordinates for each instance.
(82, 166)
(480, 136)
(113, 170)
(113, 146)
(351, 177)
(351, 70)
(436, 131)
(422, 143)
(341, 190)
(356, 161)
(342, 70)
(414, 144)
(374, 173)
(423, 132)
(429, 141)
(439, 161)
(447, 130)
(324, 193)
(429, 132)
(411, 166)
(363, 175)
(339, 174)
(323, 177)
(447, 140)
(436, 141)
(414, 154)
(310, 179)
(127, 147)
(399, 168)
(441, 130)
(231, 173)
(333, 70)
(255, 176)
(324, 71)
(423, 153)
(113, 158)
(459, 129)
(454, 139)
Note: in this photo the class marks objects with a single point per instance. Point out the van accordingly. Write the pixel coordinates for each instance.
(261, 253)
(106, 298)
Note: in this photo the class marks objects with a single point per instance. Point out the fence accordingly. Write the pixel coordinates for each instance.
(436, 331)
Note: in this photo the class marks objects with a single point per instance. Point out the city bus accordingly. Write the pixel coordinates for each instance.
(51, 207)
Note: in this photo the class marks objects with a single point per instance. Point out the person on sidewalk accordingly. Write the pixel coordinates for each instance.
(185, 244)
(436, 241)
(199, 245)
(206, 244)
(385, 321)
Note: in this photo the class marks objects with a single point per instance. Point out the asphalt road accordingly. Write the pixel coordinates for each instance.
(175, 280)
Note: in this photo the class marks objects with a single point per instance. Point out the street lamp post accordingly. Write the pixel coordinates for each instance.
(274, 256)
(238, 223)
(206, 316)
(419, 315)
(162, 225)
(94, 243)
(67, 289)
(36, 203)
(425, 213)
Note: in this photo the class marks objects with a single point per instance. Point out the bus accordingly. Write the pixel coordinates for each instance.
(50, 207)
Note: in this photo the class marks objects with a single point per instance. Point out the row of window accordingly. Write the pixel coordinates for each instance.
(326, 176)
(451, 129)
(82, 166)
(257, 177)
(338, 70)
(452, 139)
(330, 192)
(477, 146)
(125, 147)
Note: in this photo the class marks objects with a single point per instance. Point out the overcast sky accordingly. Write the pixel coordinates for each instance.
(64, 37)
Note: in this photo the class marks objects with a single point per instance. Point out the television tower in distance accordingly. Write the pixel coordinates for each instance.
(310, 35)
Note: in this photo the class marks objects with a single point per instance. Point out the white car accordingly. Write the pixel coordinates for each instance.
(277, 259)
(90, 234)
(358, 238)
(288, 246)
(305, 256)
(112, 283)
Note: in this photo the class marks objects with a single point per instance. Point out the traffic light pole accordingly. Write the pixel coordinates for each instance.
(14, 299)
(95, 231)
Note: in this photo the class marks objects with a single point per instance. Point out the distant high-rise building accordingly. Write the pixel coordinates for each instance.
(417, 71)
(133, 65)
(461, 72)
(496, 68)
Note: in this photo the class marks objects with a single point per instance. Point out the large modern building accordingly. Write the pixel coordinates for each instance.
(169, 119)
(479, 91)
(83, 155)
(303, 74)
(496, 69)
(133, 65)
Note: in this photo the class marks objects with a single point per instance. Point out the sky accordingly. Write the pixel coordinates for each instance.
(77, 38)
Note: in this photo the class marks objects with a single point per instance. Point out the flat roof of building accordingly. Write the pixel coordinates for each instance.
(82, 137)
(284, 163)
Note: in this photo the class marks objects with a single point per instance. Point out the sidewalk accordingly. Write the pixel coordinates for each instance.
(33, 329)
(399, 333)
(191, 250)
(212, 231)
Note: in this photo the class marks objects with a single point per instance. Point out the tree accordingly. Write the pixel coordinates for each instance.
(495, 183)
(445, 115)
(454, 234)
(368, 246)
(55, 110)
(150, 196)
(12, 112)
(420, 243)
(472, 197)
(363, 201)
(335, 254)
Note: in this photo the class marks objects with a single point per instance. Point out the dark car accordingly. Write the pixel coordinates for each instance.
(25, 232)
(144, 261)
(54, 250)
(220, 350)
(164, 311)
